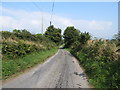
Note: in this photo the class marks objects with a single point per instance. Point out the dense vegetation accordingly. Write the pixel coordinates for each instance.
(54, 34)
(22, 49)
(70, 36)
(100, 58)
(21, 42)
(10, 67)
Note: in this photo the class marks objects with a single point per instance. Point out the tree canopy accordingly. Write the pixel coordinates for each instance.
(74, 38)
(70, 36)
(54, 34)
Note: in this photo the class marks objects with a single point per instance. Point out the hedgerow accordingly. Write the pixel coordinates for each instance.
(101, 63)
(22, 49)
(99, 57)
(21, 42)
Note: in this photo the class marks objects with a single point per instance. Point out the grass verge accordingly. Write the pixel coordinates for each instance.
(67, 49)
(101, 72)
(10, 67)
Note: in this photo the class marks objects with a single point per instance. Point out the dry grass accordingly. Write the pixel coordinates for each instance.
(38, 44)
(104, 47)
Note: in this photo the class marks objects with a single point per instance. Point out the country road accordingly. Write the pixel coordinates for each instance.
(60, 71)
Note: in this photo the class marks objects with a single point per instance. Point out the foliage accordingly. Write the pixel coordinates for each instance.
(71, 35)
(22, 49)
(24, 34)
(6, 34)
(75, 39)
(54, 34)
(101, 63)
(10, 67)
(14, 50)
(100, 58)
(84, 37)
(117, 40)
(21, 42)
(117, 36)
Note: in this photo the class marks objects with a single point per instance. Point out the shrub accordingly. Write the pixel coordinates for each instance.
(101, 63)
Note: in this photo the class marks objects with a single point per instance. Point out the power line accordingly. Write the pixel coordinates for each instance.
(52, 13)
(41, 13)
(36, 5)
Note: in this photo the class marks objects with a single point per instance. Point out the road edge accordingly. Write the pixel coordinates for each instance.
(77, 61)
(29, 71)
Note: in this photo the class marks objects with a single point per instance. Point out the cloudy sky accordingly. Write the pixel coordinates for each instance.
(100, 19)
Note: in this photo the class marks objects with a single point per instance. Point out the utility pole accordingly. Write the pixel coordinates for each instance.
(50, 23)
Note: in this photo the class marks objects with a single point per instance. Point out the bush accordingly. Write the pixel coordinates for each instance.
(101, 63)
(14, 50)
(21, 42)
(10, 67)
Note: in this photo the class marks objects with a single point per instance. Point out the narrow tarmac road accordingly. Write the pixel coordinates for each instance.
(60, 71)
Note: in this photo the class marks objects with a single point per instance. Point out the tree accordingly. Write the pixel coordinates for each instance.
(117, 39)
(71, 35)
(24, 34)
(117, 36)
(54, 34)
(84, 37)
(6, 34)
(82, 40)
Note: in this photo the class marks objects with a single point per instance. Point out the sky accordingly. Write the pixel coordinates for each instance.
(100, 19)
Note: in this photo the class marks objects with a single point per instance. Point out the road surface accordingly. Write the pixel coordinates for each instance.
(60, 71)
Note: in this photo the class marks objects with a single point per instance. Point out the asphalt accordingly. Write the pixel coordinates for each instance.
(60, 71)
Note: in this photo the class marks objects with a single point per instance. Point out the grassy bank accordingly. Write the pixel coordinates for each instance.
(10, 67)
(22, 49)
(101, 63)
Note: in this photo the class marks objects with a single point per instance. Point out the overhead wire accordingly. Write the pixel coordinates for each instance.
(52, 13)
(51, 18)
(42, 15)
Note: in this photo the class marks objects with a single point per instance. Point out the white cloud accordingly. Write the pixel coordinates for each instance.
(32, 21)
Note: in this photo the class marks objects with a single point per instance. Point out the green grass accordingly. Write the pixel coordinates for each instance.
(67, 49)
(10, 67)
(101, 72)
